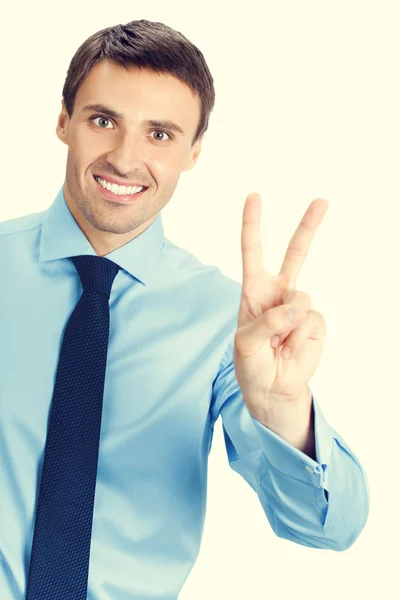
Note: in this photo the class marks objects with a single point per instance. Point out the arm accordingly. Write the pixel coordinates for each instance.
(320, 503)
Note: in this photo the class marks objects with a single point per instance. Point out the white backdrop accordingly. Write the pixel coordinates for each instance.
(308, 99)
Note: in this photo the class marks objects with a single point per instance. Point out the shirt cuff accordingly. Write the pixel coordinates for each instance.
(293, 462)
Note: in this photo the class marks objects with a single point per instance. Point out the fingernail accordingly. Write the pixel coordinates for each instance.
(285, 353)
(291, 315)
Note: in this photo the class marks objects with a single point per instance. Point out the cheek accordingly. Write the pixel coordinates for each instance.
(85, 149)
(169, 166)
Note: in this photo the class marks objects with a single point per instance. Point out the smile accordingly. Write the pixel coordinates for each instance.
(119, 190)
(119, 193)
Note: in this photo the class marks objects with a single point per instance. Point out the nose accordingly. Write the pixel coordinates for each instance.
(127, 154)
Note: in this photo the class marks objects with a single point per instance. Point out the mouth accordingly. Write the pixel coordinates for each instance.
(119, 194)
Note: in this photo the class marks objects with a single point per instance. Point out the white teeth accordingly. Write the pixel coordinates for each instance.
(120, 190)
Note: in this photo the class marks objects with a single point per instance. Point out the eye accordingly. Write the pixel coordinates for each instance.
(103, 119)
(159, 131)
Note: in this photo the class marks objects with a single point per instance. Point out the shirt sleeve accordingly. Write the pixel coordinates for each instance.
(322, 503)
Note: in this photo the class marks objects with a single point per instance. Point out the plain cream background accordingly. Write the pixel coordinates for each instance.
(307, 105)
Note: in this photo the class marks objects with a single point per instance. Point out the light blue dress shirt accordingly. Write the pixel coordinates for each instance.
(169, 376)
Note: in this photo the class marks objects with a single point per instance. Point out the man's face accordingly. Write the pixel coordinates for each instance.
(128, 148)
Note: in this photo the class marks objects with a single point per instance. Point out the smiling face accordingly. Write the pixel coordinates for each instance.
(127, 127)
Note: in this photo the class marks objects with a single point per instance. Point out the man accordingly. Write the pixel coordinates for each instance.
(105, 321)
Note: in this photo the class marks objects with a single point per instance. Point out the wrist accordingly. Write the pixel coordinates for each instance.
(292, 419)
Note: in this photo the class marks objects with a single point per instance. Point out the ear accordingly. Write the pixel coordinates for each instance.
(194, 155)
(62, 124)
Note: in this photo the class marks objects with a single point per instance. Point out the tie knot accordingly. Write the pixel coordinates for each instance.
(97, 273)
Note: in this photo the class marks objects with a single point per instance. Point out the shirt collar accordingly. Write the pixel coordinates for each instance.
(61, 237)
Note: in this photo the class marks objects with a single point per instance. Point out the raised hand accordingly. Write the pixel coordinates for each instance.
(279, 339)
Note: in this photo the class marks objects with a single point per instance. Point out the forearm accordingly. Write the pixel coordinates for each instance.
(320, 503)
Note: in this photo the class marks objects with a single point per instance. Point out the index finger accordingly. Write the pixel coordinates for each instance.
(301, 240)
(252, 255)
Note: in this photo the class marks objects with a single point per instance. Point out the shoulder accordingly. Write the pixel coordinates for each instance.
(21, 224)
(205, 282)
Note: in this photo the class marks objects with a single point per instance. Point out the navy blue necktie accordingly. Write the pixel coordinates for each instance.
(61, 541)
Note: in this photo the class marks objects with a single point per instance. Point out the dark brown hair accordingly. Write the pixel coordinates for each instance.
(145, 45)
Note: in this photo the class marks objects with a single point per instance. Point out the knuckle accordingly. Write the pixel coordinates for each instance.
(285, 282)
(317, 315)
(301, 296)
(270, 320)
(319, 318)
(296, 251)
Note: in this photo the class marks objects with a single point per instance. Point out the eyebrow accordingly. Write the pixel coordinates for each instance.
(162, 124)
